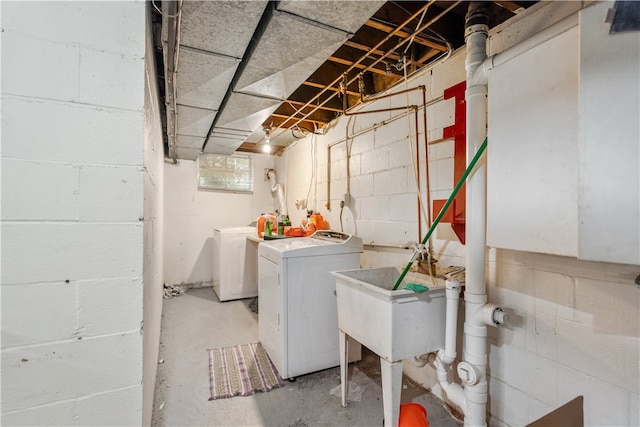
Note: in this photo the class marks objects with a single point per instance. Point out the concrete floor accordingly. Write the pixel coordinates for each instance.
(197, 320)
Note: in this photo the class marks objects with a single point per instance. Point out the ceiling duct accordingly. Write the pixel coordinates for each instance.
(237, 61)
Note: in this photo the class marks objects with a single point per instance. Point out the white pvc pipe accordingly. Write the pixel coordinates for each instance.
(454, 391)
(481, 74)
(451, 324)
(277, 188)
(475, 331)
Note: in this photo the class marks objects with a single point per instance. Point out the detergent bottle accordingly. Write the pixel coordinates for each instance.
(260, 224)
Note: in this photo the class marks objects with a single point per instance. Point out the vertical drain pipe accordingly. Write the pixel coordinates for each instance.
(472, 370)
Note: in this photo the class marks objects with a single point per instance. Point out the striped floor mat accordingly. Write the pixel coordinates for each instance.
(241, 370)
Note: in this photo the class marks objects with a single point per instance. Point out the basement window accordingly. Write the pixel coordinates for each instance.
(225, 173)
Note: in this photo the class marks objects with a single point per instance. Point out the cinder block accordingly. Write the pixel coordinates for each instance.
(72, 251)
(396, 232)
(70, 132)
(441, 175)
(442, 150)
(391, 133)
(546, 339)
(121, 407)
(362, 186)
(338, 169)
(546, 290)
(38, 313)
(111, 193)
(38, 190)
(403, 153)
(524, 370)
(450, 74)
(96, 302)
(597, 297)
(110, 79)
(403, 207)
(443, 114)
(375, 161)
(392, 181)
(34, 375)
(605, 404)
(508, 403)
(581, 347)
(355, 163)
(57, 414)
(374, 208)
(362, 143)
(116, 27)
(27, 68)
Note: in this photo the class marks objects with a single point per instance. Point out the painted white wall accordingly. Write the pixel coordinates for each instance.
(191, 215)
(573, 324)
(72, 202)
(152, 269)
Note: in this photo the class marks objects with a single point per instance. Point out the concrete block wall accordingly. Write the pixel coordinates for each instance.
(191, 215)
(573, 327)
(72, 206)
(152, 268)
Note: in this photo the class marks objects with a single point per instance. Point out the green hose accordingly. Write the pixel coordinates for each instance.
(444, 209)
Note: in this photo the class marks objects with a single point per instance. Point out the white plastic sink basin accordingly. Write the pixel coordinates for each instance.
(393, 324)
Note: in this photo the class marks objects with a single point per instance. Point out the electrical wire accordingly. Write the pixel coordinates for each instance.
(313, 166)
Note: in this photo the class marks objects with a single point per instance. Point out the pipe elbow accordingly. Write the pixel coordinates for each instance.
(446, 358)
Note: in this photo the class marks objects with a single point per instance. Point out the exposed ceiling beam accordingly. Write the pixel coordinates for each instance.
(285, 116)
(321, 86)
(388, 28)
(366, 48)
(359, 66)
(324, 107)
(424, 58)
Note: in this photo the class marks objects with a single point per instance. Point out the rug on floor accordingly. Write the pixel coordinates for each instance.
(241, 370)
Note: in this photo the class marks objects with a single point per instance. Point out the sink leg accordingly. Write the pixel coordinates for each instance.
(391, 388)
(344, 365)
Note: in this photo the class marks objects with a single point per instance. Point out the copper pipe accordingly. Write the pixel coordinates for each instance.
(419, 30)
(426, 156)
(384, 110)
(415, 115)
(363, 57)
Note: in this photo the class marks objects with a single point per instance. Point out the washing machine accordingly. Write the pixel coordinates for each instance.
(235, 273)
(297, 315)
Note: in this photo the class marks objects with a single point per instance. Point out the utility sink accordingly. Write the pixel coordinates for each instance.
(393, 324)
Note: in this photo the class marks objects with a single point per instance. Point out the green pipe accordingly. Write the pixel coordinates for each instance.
(444, 209)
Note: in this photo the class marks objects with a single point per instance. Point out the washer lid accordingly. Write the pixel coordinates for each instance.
(322, 242)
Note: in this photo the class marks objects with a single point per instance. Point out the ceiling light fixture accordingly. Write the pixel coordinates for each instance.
(266, 148)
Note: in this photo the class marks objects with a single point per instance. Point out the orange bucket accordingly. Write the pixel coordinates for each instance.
(413, 415)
